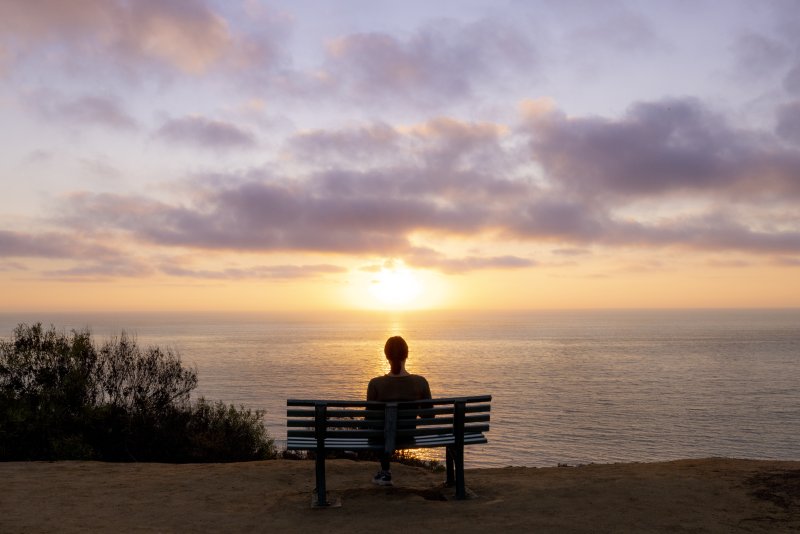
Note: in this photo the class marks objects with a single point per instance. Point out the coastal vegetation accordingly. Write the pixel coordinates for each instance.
(64, 397)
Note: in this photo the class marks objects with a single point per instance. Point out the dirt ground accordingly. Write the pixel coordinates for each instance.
(710, 495)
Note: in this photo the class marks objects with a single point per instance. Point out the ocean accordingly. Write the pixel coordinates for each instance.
(569, 387)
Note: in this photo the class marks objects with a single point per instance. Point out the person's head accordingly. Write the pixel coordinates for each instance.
(396, 351)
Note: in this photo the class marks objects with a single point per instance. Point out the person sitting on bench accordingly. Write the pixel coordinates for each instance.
(396, 386)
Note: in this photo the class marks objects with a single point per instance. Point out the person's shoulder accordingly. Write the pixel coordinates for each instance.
(419, 379)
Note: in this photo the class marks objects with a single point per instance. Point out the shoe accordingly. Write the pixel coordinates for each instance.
(382, 478)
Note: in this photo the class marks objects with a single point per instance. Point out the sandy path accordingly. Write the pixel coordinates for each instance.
(716, 495)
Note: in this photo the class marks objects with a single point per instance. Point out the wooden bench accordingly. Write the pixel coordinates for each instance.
(331, 425)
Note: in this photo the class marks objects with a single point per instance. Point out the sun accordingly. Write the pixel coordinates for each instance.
(395, 287)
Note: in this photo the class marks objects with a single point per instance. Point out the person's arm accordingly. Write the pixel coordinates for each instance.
(371, 393)
(426, 391)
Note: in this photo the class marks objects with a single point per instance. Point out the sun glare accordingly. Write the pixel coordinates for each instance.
(396, 287)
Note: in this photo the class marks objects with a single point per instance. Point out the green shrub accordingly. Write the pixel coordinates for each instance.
(224, 433)
(62, 397)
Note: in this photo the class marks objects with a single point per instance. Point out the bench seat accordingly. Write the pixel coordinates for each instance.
(364, 444)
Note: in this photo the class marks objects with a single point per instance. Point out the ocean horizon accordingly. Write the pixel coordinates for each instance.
(568, 386)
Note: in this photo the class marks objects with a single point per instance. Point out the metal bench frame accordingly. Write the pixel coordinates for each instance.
(329, 425)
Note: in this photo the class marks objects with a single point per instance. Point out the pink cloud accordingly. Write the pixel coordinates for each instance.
(185, 35)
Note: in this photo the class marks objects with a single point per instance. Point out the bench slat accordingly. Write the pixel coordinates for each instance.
(378, 433)
(336, 403)
(444, 411)
(367, 404)
(336, 413)
(441, 421)
(411, 432)
(378, 423)
(338, 423)
(438, 440)
(335, 446)
(337, 433)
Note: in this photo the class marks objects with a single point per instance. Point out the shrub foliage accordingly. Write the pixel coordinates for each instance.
(63, 397)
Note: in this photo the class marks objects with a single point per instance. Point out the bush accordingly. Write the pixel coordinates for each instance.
(61, 397)
(221, 433)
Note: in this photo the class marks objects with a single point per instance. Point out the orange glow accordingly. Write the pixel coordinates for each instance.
(396, 287)
(608, 282)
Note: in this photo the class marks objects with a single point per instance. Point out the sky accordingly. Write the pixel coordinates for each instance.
(308, 155)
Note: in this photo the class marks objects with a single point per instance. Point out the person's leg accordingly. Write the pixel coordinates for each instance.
(385, 461)
(384, 476)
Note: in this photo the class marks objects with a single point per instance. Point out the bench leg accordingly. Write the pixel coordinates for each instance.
(320, 417)
(459, 417)
(455, 471)
(451, 475)
(461, 488)
(322, 496)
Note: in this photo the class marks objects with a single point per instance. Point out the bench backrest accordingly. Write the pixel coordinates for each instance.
(389, 422)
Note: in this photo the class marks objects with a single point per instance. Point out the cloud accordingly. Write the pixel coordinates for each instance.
(622, 30)
(49, 245)
(428, 182)
(260, 272)
(5, 61)
(430, 259)
(775, 49)
(668, 146)
(431, 184)
(729, 264)
(438, 63)
(186, 36)
(441, 156)
(91, 110)
(263, 216)
(12, 266)
(92, 270)
(365, 143)
(100, 167)
(710, 232)
(205, 133)
(553, 219)
(791, 82)
(39, 156)
(788, 126)
(758, 55)
(656, 147)
(788, 262)
(571, 252)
